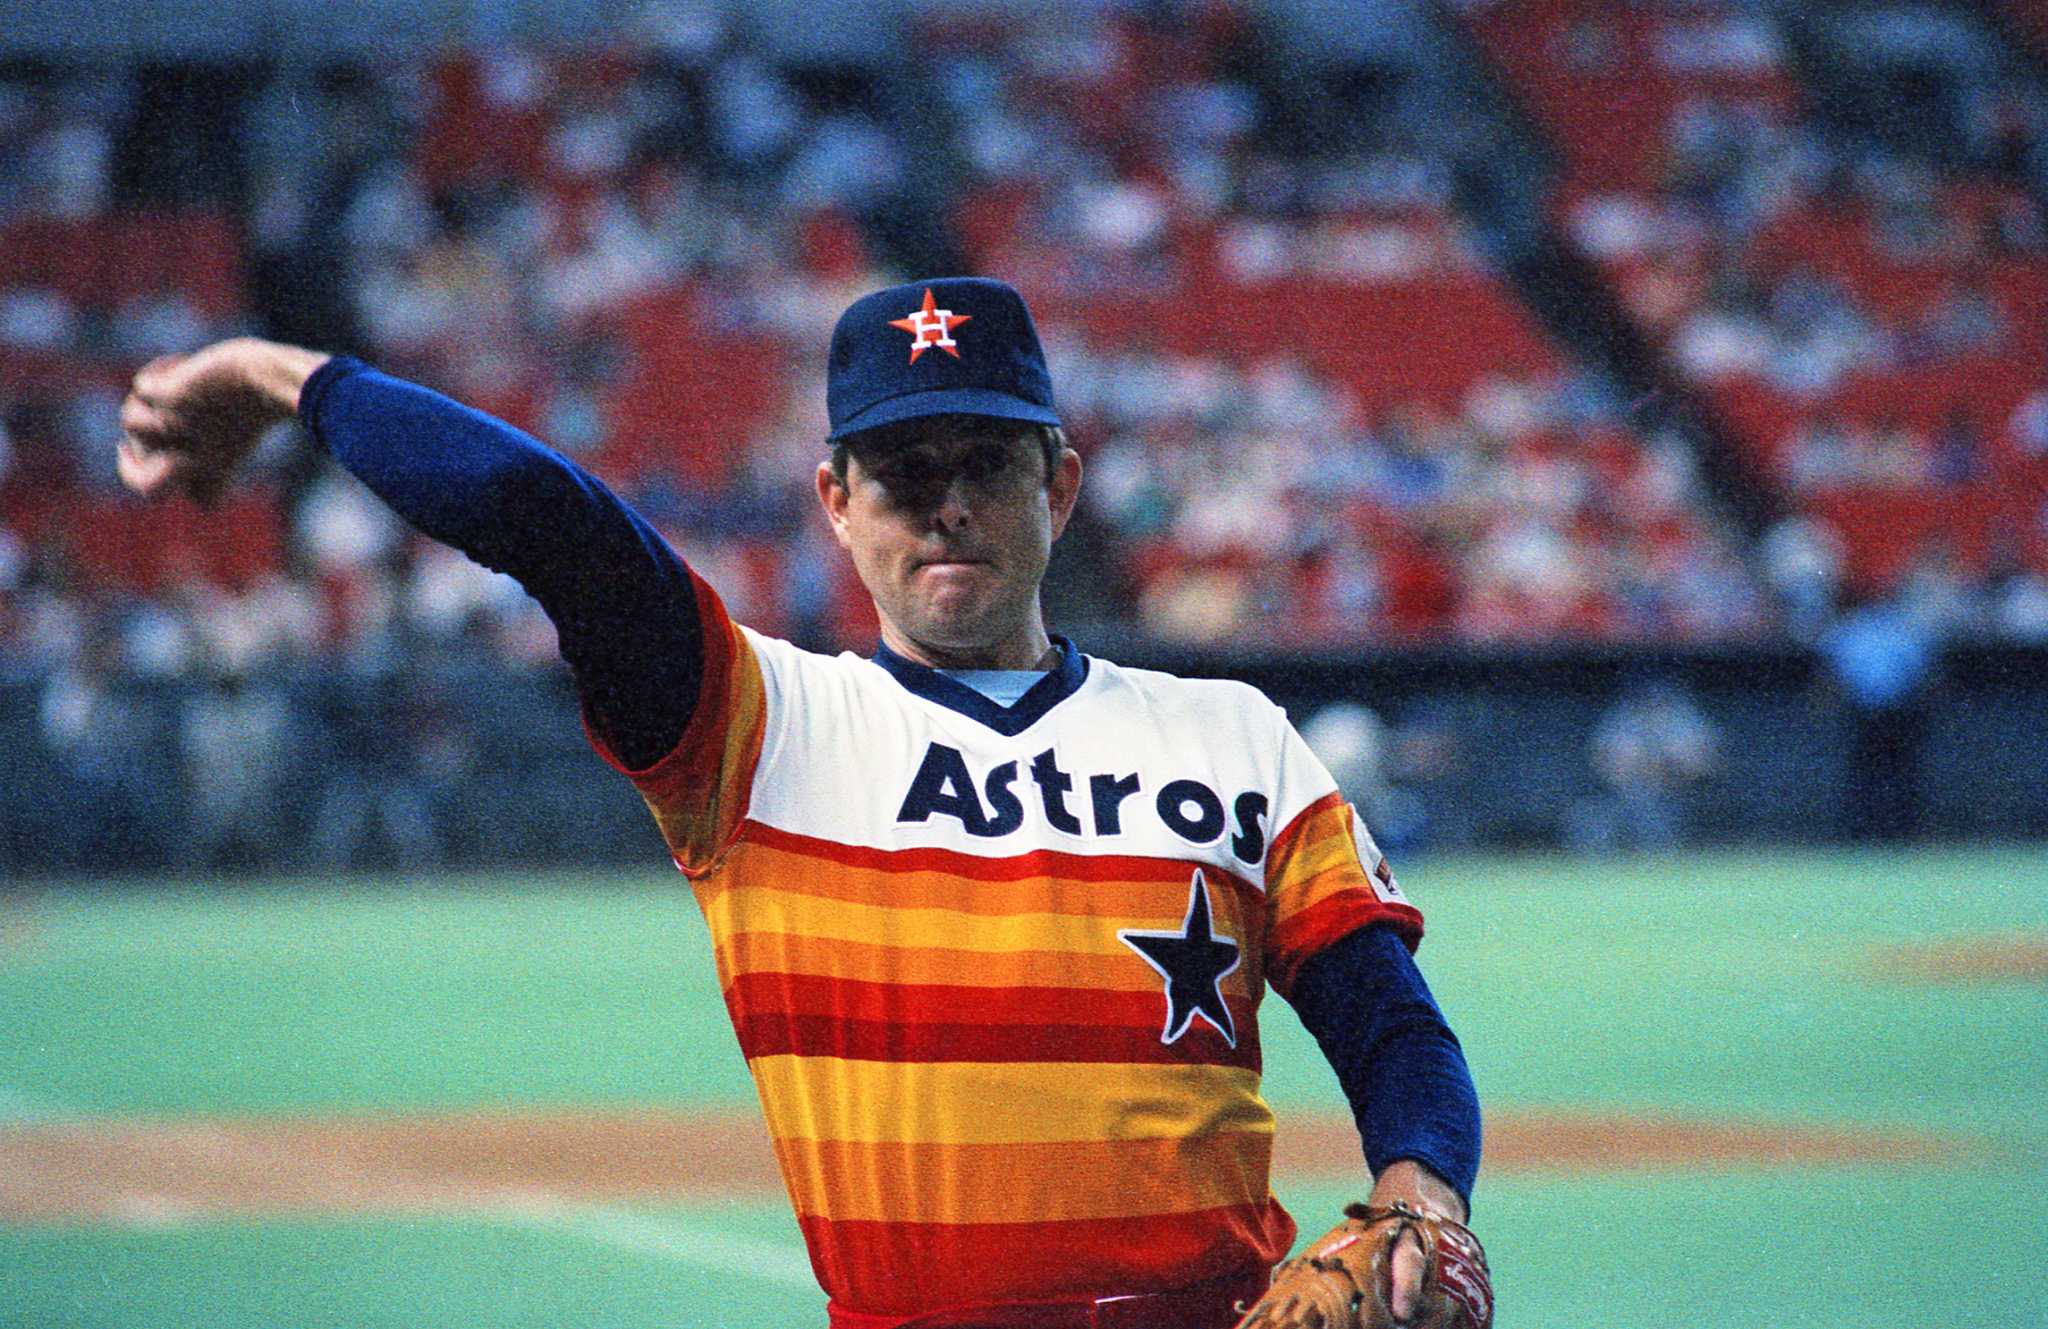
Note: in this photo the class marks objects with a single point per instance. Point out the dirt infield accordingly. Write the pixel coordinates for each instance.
(166, 1171)
(2020, 957)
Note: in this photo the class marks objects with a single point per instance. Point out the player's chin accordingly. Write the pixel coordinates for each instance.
(956, 618)
(952, 627)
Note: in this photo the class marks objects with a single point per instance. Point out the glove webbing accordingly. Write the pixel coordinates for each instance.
(1451, 1261)
(1451, 1273)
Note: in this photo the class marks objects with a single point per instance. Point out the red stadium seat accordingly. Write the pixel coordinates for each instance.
(60, 255)
(197, 254)
(690, 397)
(1886, 531)
(1427, 339)
(1604, 79)
(122, 542)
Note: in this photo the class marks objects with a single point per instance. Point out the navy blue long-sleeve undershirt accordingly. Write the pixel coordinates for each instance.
(1401, 1067)
(619, 597)
(625, 613)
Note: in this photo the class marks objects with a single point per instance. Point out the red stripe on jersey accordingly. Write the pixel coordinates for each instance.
(1212, 1305)
(768, 1035)
(943, 1003)
(904, 1268)
(1018, 867)
(819, 1016)
(1301, 935)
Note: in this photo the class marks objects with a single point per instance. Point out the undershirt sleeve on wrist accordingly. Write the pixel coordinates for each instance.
(1400, 1065)
(619, 596)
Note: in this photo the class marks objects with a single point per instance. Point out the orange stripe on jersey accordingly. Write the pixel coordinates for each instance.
(825, 957)
(748, 952)
(881, 874)
(1025, 926)
(831, 1098)
(699, 792)
(848, 1181)
(1318, 890)
(903, 1268)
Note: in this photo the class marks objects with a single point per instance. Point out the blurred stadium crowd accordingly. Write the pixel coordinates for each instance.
(1319, 411)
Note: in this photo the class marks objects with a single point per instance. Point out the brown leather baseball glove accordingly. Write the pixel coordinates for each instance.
(1342, 1281)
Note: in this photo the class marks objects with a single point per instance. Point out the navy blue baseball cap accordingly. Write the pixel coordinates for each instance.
(951, 345)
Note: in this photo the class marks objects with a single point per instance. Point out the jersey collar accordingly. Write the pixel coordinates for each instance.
(1059, 683)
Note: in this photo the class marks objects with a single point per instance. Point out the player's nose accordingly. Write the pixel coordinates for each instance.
(954, 508)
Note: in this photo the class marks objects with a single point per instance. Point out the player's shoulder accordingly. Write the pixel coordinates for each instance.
(785, 661)
(1214, 697)
(785, 652)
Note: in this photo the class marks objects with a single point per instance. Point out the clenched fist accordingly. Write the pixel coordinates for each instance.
(190, 421)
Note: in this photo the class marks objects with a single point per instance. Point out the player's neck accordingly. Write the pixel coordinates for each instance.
(1029, 649)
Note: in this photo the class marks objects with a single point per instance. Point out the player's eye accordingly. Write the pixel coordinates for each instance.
(912, 477)
(903, 469)
(985, 463)
(920, 477)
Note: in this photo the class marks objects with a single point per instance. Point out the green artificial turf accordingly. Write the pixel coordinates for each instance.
(1724, 986)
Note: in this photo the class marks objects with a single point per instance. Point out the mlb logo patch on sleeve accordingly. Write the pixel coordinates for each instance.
(1383, 883)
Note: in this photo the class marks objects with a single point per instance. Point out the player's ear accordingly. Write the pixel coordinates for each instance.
(832, 496)
(1063, 489)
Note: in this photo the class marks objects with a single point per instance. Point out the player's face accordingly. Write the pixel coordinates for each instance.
(950, 529)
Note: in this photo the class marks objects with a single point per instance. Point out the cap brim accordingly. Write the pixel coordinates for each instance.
(944, 401)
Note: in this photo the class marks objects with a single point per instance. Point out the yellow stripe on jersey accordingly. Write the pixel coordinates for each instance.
(863, 1181)
(979, 1102)
(1318, 858)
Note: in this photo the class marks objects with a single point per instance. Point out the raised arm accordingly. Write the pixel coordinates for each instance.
(621, 600)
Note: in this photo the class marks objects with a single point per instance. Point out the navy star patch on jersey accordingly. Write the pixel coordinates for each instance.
(1193, 961)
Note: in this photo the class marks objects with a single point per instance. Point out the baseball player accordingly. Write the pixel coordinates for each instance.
(993, 917)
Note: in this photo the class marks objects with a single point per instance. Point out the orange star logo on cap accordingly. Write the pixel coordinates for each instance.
(931, 326)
